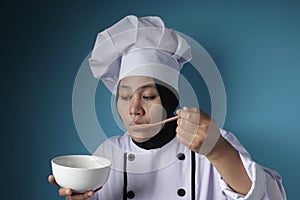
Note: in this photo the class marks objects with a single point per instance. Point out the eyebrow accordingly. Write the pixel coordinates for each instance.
(150, 85)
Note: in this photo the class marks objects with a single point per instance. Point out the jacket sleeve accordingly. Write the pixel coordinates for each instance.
(266, 183)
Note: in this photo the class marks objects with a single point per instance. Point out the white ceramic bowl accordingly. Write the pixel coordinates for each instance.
(81, 173)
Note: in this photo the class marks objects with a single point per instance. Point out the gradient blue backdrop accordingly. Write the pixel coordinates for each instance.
(255, 45)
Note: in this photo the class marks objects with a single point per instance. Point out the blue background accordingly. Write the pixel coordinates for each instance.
(255, 45)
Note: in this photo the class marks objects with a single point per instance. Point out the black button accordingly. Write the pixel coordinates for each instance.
(130, 195)
(181, 156)
(131, 157)
(181, 192)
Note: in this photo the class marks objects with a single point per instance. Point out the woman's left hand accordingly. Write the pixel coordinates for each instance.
(195, 127)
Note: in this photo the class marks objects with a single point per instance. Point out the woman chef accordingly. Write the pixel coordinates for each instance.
(139, 60)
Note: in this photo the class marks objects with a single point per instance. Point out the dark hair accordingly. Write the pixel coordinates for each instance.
(168, 96)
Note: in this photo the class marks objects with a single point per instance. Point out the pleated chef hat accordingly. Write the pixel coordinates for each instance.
(139, 47)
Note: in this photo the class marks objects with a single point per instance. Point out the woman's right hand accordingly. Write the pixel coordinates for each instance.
(68, 193)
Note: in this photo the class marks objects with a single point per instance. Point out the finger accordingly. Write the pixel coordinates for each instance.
(182, 140)
(187, 125)
(193, 143)
(88, 194)
(65, 192)
(184, 137)
(189, 114)
(51, 180)
(81, 196)
(191, 109)
(194, 115)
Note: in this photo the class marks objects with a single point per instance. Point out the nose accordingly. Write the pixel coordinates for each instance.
(135, 107)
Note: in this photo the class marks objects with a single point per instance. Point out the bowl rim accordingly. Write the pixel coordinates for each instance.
(107, 163)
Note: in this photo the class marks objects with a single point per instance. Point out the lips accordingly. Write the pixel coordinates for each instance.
(136, 123)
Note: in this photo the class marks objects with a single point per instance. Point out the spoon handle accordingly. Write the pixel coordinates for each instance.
(143, 126)
(166, 120)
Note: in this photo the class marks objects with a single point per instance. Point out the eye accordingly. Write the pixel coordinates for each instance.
(125, 98)
(147, 98)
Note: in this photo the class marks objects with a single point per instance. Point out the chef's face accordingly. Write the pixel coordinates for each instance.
(138, 103)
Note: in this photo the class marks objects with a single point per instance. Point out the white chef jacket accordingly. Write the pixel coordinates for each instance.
(173, 172)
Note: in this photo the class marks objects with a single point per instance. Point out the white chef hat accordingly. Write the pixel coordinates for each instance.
(139, 47)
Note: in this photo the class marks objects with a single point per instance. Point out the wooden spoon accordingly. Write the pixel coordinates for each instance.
(142, 126)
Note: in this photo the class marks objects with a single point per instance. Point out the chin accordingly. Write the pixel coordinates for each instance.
(137, 139)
